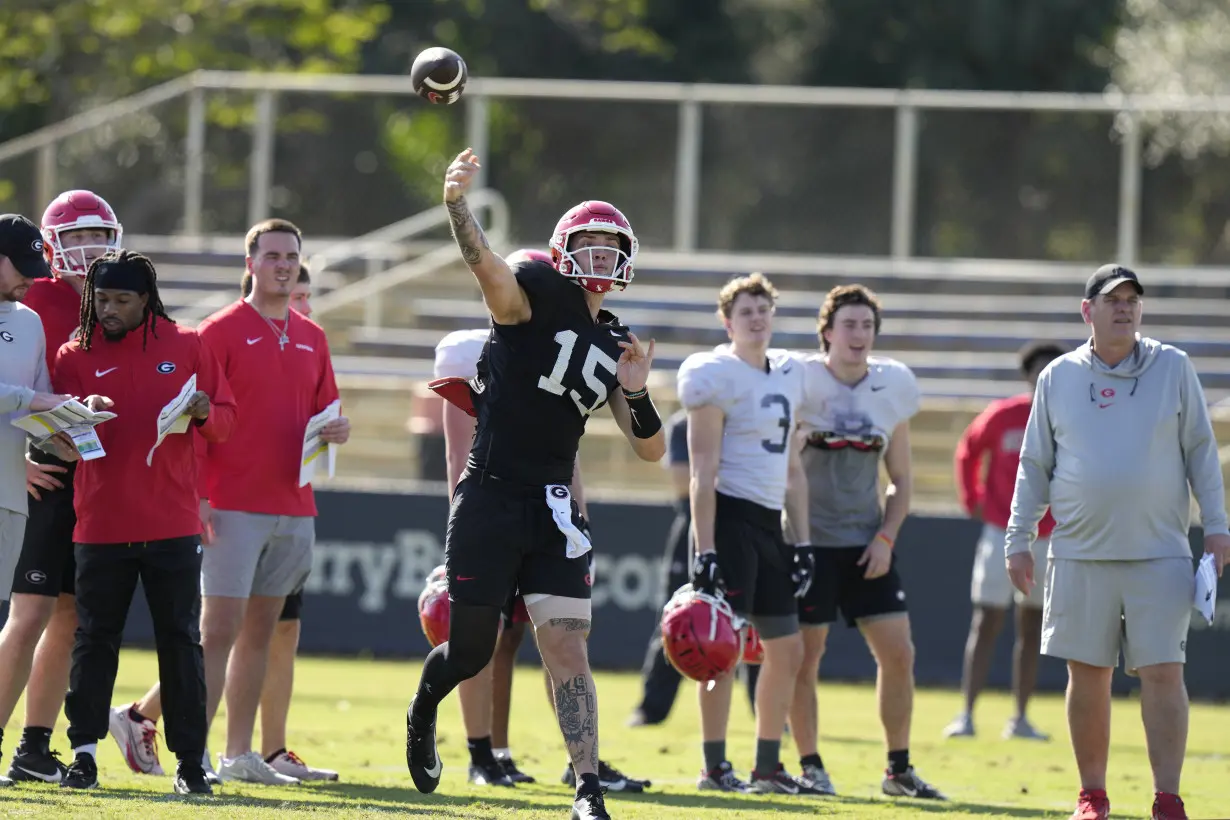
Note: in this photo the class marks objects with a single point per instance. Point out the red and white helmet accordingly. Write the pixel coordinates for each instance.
(529, 255)
(75, 211)
(700, 634)
(434, 607)
(753, 649)
(602, 217)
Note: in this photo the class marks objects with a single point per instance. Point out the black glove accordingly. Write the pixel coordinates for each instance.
(804, 570)
(706, 575)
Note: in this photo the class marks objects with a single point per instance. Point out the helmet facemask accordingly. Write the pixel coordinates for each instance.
(599, 267)
(71, 259)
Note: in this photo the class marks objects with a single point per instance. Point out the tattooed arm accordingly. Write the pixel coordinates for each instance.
(503, 295)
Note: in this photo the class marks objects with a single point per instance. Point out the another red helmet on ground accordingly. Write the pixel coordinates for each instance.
(594, 216)
(434, 607)
(699, 635)
(78, 211)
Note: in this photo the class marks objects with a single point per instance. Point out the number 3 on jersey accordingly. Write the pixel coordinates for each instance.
(783, 404)
(594, 358)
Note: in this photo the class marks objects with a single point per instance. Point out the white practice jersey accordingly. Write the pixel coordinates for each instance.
(457, 354)
(847, 429)
(760, 409)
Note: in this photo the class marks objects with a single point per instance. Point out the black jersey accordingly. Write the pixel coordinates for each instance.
(539, 382)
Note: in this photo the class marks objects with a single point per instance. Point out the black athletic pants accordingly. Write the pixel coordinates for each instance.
(660, 684)
(107, 574)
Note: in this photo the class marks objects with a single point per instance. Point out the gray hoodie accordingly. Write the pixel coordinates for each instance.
(23, 370)
(1113, 451)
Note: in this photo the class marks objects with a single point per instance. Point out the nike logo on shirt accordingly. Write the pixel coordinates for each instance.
(98, 374)
(254, 341)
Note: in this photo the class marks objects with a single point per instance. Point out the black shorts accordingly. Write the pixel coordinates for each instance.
(47, 565)
(839, 585)
(753, 557)
(502, 539)
(293, 606)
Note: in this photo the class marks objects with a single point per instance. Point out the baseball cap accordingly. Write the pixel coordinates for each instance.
(22, 243)
(1108, 277)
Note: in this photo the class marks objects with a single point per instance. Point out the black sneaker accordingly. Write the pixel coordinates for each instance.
(489, 774)
(781, 781)
(36, 766)
(722, 779)
(610, 778)
(422, 757)
(190, 778)
(909, 784)
(590, 806)
(83, 774)
(514, 774)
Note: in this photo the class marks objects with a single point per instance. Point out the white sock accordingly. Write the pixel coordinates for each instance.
(502, 754)
(90, 748)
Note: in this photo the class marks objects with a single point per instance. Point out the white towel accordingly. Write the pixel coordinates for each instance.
(560, 502)
(1205, 599)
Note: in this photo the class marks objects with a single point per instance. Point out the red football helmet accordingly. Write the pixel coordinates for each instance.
(601, 217)
(753, 649)
(700, 635)
(75, 211)
(434, 607)
(529, 255)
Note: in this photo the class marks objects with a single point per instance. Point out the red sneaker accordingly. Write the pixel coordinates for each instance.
(1168, 807)
(1093, 804)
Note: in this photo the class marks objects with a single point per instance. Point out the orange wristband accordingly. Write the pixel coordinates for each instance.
(881, 536)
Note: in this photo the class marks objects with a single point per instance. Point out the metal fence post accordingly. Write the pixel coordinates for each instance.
(478, 135)
(45, 181)
(905, 181)
(194, 163)
(687, 175)
(1129, 189)
(261, 164)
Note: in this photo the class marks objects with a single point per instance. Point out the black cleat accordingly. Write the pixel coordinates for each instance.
(514, 774)
(422, 757)
(610, 778)
(489, 774)
(190, 778)
(83, 774)
(36, 766)
(590, 806)
(909, 784)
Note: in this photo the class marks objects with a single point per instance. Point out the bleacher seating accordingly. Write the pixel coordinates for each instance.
(959, 333)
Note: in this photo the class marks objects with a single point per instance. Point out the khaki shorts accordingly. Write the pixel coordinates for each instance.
(990, 585)
(1095, 608)
(12, 534)
(256, 554)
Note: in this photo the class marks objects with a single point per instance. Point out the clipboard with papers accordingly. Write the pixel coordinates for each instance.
(1205, 599)
(315, 448)
(173, 419)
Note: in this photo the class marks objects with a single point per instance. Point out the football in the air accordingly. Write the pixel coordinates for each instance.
(439, 75)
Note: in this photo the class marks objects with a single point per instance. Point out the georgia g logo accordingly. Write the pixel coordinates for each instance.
(166, 367)
(4, 334)
(559, 492)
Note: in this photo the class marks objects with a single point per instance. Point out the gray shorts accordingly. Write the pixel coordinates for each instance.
(255, 554)
(990, 585)
(1095, 608)
(12, 534)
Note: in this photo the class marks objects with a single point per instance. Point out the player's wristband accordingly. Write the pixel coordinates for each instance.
(882, 537)
(645, 419)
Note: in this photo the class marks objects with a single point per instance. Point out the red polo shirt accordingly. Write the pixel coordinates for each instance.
(59, 306)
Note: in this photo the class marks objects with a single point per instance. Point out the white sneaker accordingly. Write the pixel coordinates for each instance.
(290, 764)
(250, 767)
(137, 739)
(211, 776)
(962, 726)
(4, 781)
(818, 778)
(1022, 728)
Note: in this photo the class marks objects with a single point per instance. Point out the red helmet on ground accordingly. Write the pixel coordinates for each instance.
(700, 636)
(753, 649)
(434, 607)
(529, 255)
(78, 211)
(596, 217)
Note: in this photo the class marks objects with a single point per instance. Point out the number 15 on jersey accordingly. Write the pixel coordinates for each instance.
(595, 357)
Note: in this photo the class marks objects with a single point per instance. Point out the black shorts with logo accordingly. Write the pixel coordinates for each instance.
(839, 585)
(502, 538)
(754, 559)
(47, 565)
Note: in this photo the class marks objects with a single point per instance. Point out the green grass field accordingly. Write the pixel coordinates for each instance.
(348, 715)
